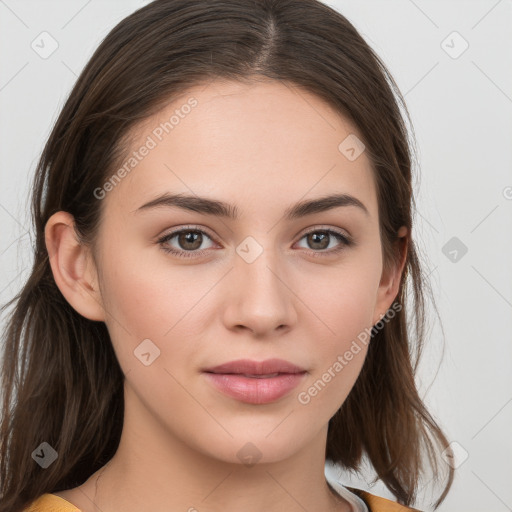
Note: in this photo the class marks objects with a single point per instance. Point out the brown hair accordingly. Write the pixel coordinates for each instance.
(61, 381)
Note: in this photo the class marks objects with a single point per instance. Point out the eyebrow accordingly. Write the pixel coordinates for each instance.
(217, 208)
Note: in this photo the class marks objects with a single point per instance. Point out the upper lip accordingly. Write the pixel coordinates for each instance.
(250, 367)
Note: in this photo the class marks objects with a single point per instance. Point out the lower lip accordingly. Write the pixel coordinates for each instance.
(252, 390)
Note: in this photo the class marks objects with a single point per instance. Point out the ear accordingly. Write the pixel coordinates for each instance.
(73, 267)
(390, 280)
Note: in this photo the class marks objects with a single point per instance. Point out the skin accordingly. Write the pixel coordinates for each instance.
(242, 144)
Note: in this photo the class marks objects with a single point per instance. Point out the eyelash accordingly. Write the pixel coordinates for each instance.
(345, 242)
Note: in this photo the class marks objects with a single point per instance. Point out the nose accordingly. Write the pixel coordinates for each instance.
(260, 296)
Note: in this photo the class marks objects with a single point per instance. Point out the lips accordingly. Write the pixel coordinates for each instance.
(256, 382)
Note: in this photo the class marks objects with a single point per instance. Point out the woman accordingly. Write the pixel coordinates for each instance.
(218, 300)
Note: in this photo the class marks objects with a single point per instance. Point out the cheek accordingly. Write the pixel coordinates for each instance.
(339, 357)
(344, 300)
(349, 316)
(345, 309)
(139, 290)
(148, 300)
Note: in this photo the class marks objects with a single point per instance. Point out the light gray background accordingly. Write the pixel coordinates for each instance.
(461, 111)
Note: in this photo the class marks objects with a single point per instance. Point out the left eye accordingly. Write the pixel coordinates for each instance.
(321, 238)
(191, 240)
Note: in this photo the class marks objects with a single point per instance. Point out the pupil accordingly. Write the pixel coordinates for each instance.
(322, 238)
(189, 237)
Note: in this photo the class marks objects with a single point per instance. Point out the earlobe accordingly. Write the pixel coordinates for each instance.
(72, 266)
(390, 280)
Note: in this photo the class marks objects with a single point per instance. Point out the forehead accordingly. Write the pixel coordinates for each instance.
(259, 143)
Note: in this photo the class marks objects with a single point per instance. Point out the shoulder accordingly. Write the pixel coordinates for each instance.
(378, 504)
(51, 503)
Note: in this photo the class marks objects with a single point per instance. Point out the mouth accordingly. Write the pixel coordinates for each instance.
(255, 382)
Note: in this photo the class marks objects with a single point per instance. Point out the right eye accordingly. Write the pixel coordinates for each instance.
(189, 239)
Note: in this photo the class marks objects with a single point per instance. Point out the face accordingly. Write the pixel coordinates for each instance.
(187, 289)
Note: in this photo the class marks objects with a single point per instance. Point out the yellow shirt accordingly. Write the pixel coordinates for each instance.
(54, 503)
(51, 503)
